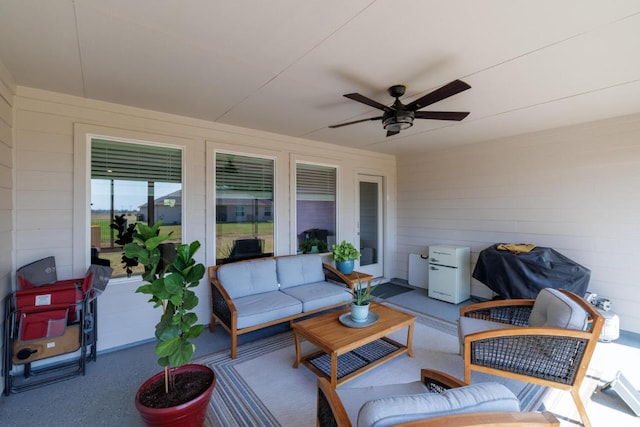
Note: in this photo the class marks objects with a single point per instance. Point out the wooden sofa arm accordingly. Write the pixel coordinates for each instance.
(332, 273)
(330, 410)
(488, 419)
(222, 306)
(438, 382)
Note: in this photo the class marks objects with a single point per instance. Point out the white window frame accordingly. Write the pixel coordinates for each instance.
(212, 216)
(294, 191)
(83, 134)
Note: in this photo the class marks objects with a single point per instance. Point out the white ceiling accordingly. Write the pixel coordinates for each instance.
(283, 65)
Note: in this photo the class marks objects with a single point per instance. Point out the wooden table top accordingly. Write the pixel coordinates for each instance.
(330, 335)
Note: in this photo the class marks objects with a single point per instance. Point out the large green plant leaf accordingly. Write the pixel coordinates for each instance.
(190, 300)
(174, 283)
(183, 354)
(168, 348)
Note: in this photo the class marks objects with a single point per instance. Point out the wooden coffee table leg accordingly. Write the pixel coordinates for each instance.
(334, 369)
(410, 339)
(296, 339)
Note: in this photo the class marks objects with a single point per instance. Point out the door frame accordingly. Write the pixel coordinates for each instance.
(377, 269)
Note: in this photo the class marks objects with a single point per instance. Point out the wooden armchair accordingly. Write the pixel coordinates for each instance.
(332, 412)
(547, 341)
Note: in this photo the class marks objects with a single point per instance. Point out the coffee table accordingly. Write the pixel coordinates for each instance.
(346, 352)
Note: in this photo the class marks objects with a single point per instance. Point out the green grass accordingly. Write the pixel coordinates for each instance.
(104, 223)
(226, 234)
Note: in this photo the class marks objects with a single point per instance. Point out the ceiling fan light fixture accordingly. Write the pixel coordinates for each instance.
(398, 121)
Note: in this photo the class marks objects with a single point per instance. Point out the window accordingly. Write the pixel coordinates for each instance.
(244, 195)
(315, 205)
(139, 181)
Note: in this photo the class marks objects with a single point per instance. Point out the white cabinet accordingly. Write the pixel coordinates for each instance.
(450, 273)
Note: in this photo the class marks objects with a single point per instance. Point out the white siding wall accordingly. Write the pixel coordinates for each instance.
(575, 189)
(7, 91)
(51, 189)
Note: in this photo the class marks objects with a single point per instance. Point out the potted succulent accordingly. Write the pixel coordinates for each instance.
(344, 254)
(179, 395)
(360, 299)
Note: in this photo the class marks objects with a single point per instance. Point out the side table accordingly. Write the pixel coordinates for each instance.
(356, 277)
(352, 279)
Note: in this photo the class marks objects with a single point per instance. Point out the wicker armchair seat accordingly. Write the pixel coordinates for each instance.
(551, 358)
(547, 341)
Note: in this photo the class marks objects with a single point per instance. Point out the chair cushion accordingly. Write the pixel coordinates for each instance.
(248, 277)
(299, 270)
(481, 397)
(353, 398)
(557, 310)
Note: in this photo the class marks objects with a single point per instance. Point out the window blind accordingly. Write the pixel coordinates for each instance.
(135, 162)
(244, 177)
(315, 182)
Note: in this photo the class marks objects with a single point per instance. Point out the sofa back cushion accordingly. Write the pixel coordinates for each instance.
(555, 309)
(248, 277)
(480, 397)
(299, 270)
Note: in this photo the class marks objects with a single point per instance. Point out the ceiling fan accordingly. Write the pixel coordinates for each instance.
(399, 116)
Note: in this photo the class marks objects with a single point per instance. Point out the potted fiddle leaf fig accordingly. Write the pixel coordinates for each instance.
(124, 235)
(345, 254)
(183, 389)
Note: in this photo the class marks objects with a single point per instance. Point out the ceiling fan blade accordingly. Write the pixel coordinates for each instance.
(445, 91)
(354, 122)
(370, 102)
(441, 115)
(392, 132)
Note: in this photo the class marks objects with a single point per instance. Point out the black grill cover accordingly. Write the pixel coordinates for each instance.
(523, 275)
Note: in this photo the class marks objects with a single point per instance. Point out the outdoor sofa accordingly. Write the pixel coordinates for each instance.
(253, 294)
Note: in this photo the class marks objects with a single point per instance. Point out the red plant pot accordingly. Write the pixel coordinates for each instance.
(189, 414)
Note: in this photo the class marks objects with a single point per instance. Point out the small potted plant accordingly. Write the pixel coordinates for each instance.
(360, 299)
(344, 254)
(183, 390)
(313, 245)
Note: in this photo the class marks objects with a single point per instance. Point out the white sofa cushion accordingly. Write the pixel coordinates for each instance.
(481, 397)
(299, 270)
(265, 307)
(318, 295)
(248, 277)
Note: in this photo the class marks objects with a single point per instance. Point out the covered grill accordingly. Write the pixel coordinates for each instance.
(522, 274)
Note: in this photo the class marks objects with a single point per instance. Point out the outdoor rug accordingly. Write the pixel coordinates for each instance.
(261, 388)
(389, 289)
